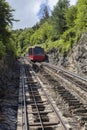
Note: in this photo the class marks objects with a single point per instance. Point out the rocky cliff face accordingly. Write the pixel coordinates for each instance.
(75, 60)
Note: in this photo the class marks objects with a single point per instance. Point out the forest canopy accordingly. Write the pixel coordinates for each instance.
(60, 30)
(6, 39)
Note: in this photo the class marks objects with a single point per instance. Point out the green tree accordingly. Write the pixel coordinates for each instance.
(81, 21)
(6, 19)
(58, 16)
(2, 50)
(45, 15)
(70, 16)
(42, 34)
(22, 39)
(6, 38)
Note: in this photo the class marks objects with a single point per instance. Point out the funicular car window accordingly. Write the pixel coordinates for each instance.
(30, 51)
(38, 51)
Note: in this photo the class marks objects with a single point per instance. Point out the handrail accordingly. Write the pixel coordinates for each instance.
(68, 72)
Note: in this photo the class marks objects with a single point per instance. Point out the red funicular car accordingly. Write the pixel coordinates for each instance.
(36, 53)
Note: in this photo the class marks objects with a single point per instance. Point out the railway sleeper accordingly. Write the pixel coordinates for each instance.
(47, 128)
(32, 82)
(67, 96)
(33, 85)
(39, 106)
(62, 92)
(33, 88)
(46, 124)
(60, 88)
(35, 94)
(66, 91)
(40, 109)
(39, 102)
(41, 112)
(74, 107)
(75, 104)
(43, 118)
(35, 91)
(84, 118)
(80, 111)
(29, 81)
(69, 100)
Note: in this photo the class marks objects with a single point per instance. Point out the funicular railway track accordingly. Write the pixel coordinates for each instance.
(36, 109)
(78, 80)
(71, 100)
(72, 96)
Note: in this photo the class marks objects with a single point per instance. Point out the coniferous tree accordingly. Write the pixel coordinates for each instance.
(45, 15)
(7, 45)
(71, 16)
(6, 19)
(81, 21)
(58, 16)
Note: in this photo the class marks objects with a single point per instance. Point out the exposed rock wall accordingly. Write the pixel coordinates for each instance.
(9, 87)
(75, 60)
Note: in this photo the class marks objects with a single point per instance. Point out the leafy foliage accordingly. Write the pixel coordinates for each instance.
(2, 50)
(70, 16)
(42, 34)
(22, 39)
(44, 12)
(6, 19)
(60, 30)
(11, 48)
(81, 21)
(58, 16)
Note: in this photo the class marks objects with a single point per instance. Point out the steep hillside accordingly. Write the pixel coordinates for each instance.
(75, 60)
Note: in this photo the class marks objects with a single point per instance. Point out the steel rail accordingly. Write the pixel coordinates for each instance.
(67, 72)
(53, 107)
(24, 102)
(37, 108)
